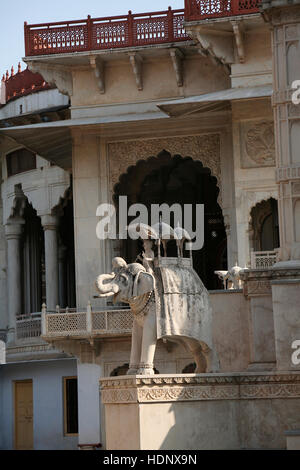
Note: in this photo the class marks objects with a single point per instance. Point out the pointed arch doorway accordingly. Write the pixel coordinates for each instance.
(174, 179)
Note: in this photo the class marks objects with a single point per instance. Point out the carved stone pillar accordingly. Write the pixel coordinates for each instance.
(13, 233)
(50, 224)
(284, 18)
(285, 24)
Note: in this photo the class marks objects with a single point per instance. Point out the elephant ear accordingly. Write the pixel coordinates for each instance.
(143, 283)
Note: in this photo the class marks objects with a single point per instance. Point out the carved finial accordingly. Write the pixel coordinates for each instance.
(57, 308)
(19, 67)
(3, 78)
(12, 72)
(7, 75)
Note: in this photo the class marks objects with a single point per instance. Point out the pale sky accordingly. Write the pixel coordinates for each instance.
(13, 14)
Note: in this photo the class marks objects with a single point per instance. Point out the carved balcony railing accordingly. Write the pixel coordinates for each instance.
(28, 326)
(263, 259)
(90, 34)
(83, 324)
(196, 10)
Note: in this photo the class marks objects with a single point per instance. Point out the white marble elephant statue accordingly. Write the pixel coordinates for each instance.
(167, 302)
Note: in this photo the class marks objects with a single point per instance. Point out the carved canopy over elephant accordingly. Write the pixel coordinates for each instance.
(168, 300)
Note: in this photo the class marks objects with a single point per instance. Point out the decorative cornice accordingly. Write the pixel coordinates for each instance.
(141, 389)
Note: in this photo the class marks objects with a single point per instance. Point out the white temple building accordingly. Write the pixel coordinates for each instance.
(191, 106)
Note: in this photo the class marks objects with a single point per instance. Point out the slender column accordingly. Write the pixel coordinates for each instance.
(50, 224)
(13, 232)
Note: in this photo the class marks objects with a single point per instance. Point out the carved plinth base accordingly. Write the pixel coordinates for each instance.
(200, 411)
(274, 315)
(286, 300)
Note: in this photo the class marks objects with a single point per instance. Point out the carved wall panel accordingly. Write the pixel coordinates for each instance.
(257, 144)
(205, 148)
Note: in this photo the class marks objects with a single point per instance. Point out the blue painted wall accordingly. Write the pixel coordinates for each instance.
(47, 377)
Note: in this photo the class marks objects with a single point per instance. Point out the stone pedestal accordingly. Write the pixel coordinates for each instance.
(274, 317)
(200, 411)
(286, 312)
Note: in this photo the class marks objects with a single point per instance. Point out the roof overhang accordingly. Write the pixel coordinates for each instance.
(53, 140)
(216, 101)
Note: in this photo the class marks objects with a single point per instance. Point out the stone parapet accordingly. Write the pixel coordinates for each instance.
(258, 281)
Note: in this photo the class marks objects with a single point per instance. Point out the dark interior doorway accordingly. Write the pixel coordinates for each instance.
(167, 179)
(33, 262)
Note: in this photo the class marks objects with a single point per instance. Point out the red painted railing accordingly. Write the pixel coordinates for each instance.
(127, 31)
(23, 83)
(204, 9)
(105, 33)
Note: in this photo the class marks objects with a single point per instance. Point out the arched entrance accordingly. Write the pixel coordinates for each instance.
(170, 180)
(264, 226)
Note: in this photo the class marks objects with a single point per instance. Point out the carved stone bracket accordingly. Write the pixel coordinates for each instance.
(237, 27)
(213, 43)
(60, 76)
(136, 62)
(99, 70)
(177, 60)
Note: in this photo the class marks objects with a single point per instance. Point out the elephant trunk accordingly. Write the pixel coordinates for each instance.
(108, 288)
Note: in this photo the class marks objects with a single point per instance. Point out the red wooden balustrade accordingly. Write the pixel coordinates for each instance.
(105, 33)
(204, 9)
(131, 30)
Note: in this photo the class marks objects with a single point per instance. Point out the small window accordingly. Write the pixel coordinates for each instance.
(19, 161)
(70, 406)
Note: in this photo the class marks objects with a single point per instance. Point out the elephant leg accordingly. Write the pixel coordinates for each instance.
(136, 344)
(148, 343)
(201, 353)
